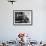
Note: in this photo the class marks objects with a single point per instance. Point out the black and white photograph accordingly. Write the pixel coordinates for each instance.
(22, 17)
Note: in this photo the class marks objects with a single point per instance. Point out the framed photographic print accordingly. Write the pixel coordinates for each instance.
(22, 17)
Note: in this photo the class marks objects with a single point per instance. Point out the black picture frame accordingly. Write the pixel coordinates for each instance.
(19, 21)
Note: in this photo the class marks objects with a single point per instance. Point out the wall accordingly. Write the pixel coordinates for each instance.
(38, 30)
